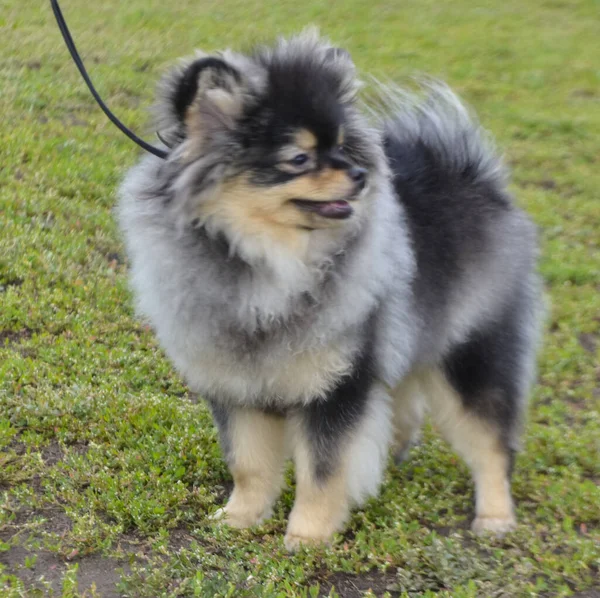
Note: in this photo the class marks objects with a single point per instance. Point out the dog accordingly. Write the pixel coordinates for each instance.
(323, 277)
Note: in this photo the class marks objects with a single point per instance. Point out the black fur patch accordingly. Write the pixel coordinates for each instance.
(328, 421)
(487, 371)
(301, 94)
(446, 211)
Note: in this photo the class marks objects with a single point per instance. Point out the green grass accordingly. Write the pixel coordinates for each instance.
(109, 468)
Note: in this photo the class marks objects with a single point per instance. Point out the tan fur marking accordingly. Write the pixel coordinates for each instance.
(320, 509)
(304, 143)
(246, 210)
(479, 445)
(258, 456)
(305, 140)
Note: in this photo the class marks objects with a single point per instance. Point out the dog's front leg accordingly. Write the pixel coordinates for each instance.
(253, 444)
(340, 448)
(322, 503)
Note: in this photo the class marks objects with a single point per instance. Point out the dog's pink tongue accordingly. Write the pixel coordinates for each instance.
(335, 209)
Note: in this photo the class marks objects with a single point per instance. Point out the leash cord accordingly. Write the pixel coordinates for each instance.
(62, 25)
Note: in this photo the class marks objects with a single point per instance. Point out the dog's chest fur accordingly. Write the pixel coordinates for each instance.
(281, 378)
(256, 342)
(283, 334)
(267, 343)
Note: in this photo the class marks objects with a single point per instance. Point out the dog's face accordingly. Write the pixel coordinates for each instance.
(274, 141)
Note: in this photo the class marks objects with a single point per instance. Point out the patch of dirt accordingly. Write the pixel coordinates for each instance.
(105, 573)
(52, 454)
(15, 336)
(588, 341)
(56, 522)
(355, 586)
(179, 539)
(96, 570)
(47, 564)
(12, 282)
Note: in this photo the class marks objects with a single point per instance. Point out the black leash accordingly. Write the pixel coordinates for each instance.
(62, 25)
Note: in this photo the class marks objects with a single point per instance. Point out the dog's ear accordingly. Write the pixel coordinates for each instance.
(208, 95)
(200, 99)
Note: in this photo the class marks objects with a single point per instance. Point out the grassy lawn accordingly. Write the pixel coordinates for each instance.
(110, 468)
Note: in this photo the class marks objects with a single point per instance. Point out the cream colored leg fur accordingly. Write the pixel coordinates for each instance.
(257, 459)
(479, 444)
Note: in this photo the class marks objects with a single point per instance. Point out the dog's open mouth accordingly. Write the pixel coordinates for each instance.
(337, 209)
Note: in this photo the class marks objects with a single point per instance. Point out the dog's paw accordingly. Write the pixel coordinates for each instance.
(303, 531)
(238, 518)
(497, 526)
(293, 542)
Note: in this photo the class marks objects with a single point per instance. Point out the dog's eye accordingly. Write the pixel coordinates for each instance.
(299, 160)
(297, 164)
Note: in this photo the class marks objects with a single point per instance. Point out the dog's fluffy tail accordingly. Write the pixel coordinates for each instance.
(438, 134)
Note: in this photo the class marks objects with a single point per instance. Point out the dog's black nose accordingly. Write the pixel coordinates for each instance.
(359, 176)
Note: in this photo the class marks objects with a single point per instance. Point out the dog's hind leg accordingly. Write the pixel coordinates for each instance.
(477, 398)
(254, 447)
(480, 444)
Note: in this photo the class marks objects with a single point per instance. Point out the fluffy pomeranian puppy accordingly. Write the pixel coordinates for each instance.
(323, 280)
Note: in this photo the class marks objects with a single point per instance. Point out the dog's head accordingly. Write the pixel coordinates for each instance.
(269, 147)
